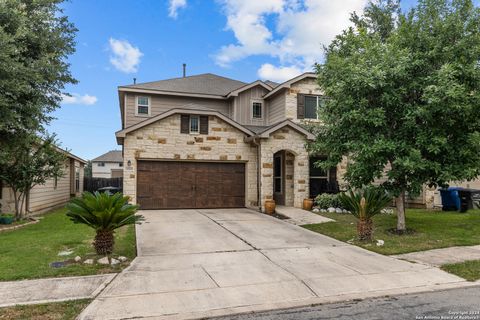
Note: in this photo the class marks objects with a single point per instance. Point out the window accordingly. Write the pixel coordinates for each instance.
(77, 180)
(143, 106)
(277, 174)
(194, 124)
(101, 164)
(120, 164)
(311, 106)
(257, 110)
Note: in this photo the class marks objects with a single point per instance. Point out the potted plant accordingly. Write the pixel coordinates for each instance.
(6, 218)
(270, 206)
(105, 213)
(364, 204)
(307, 204)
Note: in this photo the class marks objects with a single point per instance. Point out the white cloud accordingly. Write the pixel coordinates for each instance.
(76, 98)
(295, 32)
(125, 57)
(278, 74)
(173, 7)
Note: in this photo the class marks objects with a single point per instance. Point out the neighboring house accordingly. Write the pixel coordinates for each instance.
(108, 165)
(207, 141)
(52, 194)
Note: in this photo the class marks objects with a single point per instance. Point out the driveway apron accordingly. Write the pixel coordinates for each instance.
(202, 263)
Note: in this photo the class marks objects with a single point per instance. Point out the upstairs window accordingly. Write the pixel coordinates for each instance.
(101, 164)
(308, 106)
(194, 124)
(120, 164)
(143, 106)
(257, 110)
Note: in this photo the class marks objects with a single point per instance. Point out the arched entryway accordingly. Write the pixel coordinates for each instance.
(283, 175)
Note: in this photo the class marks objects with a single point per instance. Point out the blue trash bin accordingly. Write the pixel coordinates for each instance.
(450, 198)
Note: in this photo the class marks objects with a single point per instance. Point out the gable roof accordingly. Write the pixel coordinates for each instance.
(235, 92)
(110, 156)
(204, 84)
(266, 133)
(122, 133)
(288, 83)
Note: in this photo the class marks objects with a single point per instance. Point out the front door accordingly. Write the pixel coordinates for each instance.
(279, 178)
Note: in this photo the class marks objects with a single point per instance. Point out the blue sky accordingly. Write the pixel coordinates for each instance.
(149, 40)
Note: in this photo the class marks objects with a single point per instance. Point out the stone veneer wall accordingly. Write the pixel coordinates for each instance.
(294, 142)
(163, 140)
(305, 86)
(289, 185)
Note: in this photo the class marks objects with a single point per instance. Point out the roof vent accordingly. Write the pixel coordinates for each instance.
(184, 70)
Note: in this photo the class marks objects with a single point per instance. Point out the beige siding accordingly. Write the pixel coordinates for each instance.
(243, 110)
(276, 107)
(47, 196)
(162, 103)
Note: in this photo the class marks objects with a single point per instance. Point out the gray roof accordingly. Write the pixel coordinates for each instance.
(271, 83)
(206, 83)
(257, 129)
(110, 156)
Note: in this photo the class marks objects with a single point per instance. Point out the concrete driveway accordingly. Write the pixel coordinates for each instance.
(202, 263)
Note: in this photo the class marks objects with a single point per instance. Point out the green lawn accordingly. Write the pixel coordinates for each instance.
(433, 229)
(26, 253)
(68, 310)
(469, 270)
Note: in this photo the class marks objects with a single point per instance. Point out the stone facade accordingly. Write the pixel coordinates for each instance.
(305, 86)
(289, 140)
(162, 140)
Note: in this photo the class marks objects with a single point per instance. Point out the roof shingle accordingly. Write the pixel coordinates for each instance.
(110, 156)
(206, 83)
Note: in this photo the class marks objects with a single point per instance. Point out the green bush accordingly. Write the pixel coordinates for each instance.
(326, 200)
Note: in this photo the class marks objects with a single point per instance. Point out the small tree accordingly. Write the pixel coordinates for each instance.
(29, 162)
(88, 169)
(404, 97)
(105, 213)
(364, 204)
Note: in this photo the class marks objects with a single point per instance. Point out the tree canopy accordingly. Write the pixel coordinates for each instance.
(403, 97)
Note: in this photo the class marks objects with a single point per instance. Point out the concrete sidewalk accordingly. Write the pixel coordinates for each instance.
(52, 289)
(300, 217)
(438, 257)
(202, 263)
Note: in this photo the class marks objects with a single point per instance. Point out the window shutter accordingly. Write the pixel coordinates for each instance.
(333, 175)
(203, 124)
(184, 123)
(300, 106)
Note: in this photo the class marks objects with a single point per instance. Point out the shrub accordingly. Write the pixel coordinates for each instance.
(327, 200)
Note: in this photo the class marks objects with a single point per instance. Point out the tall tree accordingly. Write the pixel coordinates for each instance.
(404, 97)
(35, 41)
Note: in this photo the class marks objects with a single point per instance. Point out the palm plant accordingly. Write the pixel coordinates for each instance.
(103, 212)
(364, 204)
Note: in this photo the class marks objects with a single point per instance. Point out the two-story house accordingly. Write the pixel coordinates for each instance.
(207, 141)
(108, 165)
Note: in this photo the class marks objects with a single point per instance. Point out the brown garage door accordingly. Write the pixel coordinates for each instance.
(171, 184)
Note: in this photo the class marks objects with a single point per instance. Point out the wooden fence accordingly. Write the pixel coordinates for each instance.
(93, 184)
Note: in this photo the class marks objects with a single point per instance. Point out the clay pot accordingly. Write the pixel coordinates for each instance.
(307, 204)
(269, 206)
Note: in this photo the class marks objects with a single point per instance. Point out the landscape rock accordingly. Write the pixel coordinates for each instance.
(88, 261)
(380, 243)
(78, 259)
(331, 210)
(103, 260)
(65, 253)
(122, 258)
(338, 210)
(323, 210)
(114, 261)
(316, 210)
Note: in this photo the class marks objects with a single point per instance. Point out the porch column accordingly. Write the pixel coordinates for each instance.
(301, 179)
